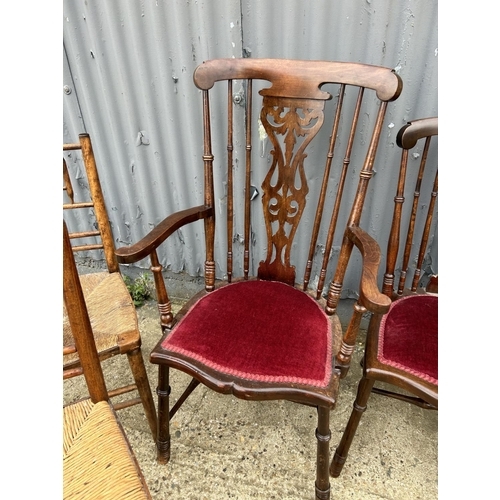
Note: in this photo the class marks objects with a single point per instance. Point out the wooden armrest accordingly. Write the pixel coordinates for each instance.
(370, 295)
(145, 246)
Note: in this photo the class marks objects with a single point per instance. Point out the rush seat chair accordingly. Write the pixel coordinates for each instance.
(110, 306)
(401, 348)
(98, 461)
(262, 333)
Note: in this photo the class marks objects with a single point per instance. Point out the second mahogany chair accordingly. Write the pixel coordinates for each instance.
(269, 335)
(110, 306)
(402, 346)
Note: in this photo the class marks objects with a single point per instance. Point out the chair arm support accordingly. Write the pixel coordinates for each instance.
(144, 247)
(370, 296)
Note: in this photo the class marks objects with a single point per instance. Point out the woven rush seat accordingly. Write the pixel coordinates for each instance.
(409, 336)
(97, 462)
(111, 311)
(268, 343)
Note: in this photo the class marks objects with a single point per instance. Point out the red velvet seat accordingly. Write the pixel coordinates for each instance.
(268, 343)
(408, 338)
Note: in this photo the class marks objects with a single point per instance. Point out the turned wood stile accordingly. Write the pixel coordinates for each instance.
(410, 234)
(230, 190)
(248, 170)
(343, 360)
(99, 203)
(321, 202)
(393, 241)
(425, 235)
(208, 159)
(355, 215)
(338, 199)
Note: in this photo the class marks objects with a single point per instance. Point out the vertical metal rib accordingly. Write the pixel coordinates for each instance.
(248, 169)
(340, 190)
(230, 210)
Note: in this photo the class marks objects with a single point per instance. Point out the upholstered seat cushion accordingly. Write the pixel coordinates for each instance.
(408, 337)
(258, 330)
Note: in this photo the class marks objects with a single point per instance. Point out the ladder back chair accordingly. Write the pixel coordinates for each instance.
(98, 461)
(267, 335)
(110, 306)
(401, 348)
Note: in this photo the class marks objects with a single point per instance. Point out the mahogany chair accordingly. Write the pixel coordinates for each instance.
(402, 346)
(98, 461)
(269, 337)
(110, 306)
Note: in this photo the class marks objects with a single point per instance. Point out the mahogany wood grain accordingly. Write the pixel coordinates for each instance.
(290, 111)
(404, 381)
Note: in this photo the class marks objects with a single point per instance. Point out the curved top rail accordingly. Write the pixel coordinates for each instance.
(300, 79)
(409, 134)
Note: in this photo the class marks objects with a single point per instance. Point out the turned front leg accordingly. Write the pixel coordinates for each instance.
(323, 457)
(359, 407)
(163, 434)
(343, 359)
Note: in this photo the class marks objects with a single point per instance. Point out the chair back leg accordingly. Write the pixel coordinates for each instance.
(138, 369)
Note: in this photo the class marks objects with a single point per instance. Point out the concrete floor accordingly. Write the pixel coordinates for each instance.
(223, 447)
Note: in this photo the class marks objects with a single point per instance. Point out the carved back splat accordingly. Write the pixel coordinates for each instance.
(291, 114)
(285, 187)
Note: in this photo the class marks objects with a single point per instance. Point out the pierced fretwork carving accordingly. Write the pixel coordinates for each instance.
(290, 124)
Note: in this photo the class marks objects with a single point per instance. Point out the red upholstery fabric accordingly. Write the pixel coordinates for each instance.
(258, 330)
(409, 336)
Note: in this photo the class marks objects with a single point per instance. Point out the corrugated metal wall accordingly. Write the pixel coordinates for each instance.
(128, 82)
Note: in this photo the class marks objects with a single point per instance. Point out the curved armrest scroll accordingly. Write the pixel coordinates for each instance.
(145, 246)
(370, 295)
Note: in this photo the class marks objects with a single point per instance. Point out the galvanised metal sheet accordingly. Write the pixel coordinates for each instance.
(128, 83)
